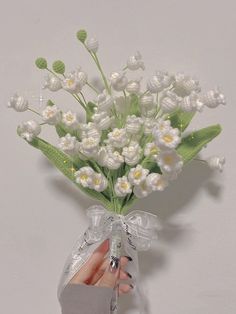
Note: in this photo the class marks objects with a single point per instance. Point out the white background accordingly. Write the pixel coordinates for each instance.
(191, 269)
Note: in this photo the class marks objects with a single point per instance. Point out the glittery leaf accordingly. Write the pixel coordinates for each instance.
(181, 119)
(191, 145)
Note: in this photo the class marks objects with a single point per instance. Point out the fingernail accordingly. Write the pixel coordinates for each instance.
(128, 274)
(114, 264)
(129, 258)
(131, 286)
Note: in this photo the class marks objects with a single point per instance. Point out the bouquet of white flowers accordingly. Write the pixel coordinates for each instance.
(132, 143)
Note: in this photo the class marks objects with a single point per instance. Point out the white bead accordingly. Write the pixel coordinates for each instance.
(92, 44)
(169, 102)
(191, 103)
(133, 87)
(18, 103)
(216, 162)
(118, 81)
(135, 62)
(52, 83)
(213, 98)
(29, 130)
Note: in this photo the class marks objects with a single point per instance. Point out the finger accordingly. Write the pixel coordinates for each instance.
(111, 275)
(125, 288)
(91, 266)
(123, 262)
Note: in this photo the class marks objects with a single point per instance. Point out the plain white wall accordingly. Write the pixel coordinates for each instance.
(191, 269)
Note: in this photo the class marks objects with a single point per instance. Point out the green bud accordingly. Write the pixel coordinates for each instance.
(41, 63)
(58, 67)
(50, 103)
(81, 35)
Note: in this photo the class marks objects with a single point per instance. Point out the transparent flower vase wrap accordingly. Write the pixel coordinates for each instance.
(130, 233)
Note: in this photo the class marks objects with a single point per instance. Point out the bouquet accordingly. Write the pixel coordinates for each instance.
(133, 142)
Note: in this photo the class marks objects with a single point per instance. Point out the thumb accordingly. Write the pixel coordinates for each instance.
(111, 274)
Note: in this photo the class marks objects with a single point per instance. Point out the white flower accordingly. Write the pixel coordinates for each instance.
(92, 44)
(135, 62)
(104, 102)
(169, 102)
(184, 85)
(168, 138)
(147, 100)
(142, 190)
(156, 181)
(80, 76)
(137, 175)
(71, 83)
(99, 182)
(122, 187)
(84, 176)
(161, 126)
(151, 149)
(213, 98)
(132, 153)
(29, 130)
(117, 138)
(70, 119)
(148, 113)
(18, 103)
(51, 115)
(118, 81)
(133, 124)
(90, 130)
(133, 87)
(89, 146)
(148, 125)
(102, 120)
(113, 159)
(216, 162)
(69, 144)
(159, 82)
(170, 163)
(191, 103)
(52, 83)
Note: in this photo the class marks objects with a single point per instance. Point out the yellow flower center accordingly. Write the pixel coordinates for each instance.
(168, 138)
(97, 181)
(137, 174)
(69, 117)
(124, 185)
(70, 82)
(168, 160)
(153, 150)
(116, 133)
(84, 176)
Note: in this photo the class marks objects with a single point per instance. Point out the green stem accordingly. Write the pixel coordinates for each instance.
(93, 88)
(34, 111)
(102, 74)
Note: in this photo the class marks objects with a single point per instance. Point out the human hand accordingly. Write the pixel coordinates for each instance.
(99, 272)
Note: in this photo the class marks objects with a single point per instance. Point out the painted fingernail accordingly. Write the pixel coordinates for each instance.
(128, 274)
(129, 258)
(114, 264)
(131, 286)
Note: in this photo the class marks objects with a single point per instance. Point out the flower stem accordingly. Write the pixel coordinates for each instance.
(34, 111)
(102, 74)
(93, 88)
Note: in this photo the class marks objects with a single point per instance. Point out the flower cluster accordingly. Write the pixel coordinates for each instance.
(132, 142)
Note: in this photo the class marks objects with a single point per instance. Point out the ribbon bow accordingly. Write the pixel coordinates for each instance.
(138, 229)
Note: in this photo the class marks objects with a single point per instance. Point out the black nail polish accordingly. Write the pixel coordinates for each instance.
(129, 275)
(114, 264)
(129, 258)
(131, 286)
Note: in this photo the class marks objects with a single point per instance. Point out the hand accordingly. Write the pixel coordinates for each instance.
(97, 271)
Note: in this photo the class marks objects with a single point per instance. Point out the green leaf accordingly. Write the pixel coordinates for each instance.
(67, 166)
(90, 111)
(191, 145)
(181, 119)
(134, 105)
(62, 130)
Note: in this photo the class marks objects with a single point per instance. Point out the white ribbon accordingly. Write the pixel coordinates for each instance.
(139, 228)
